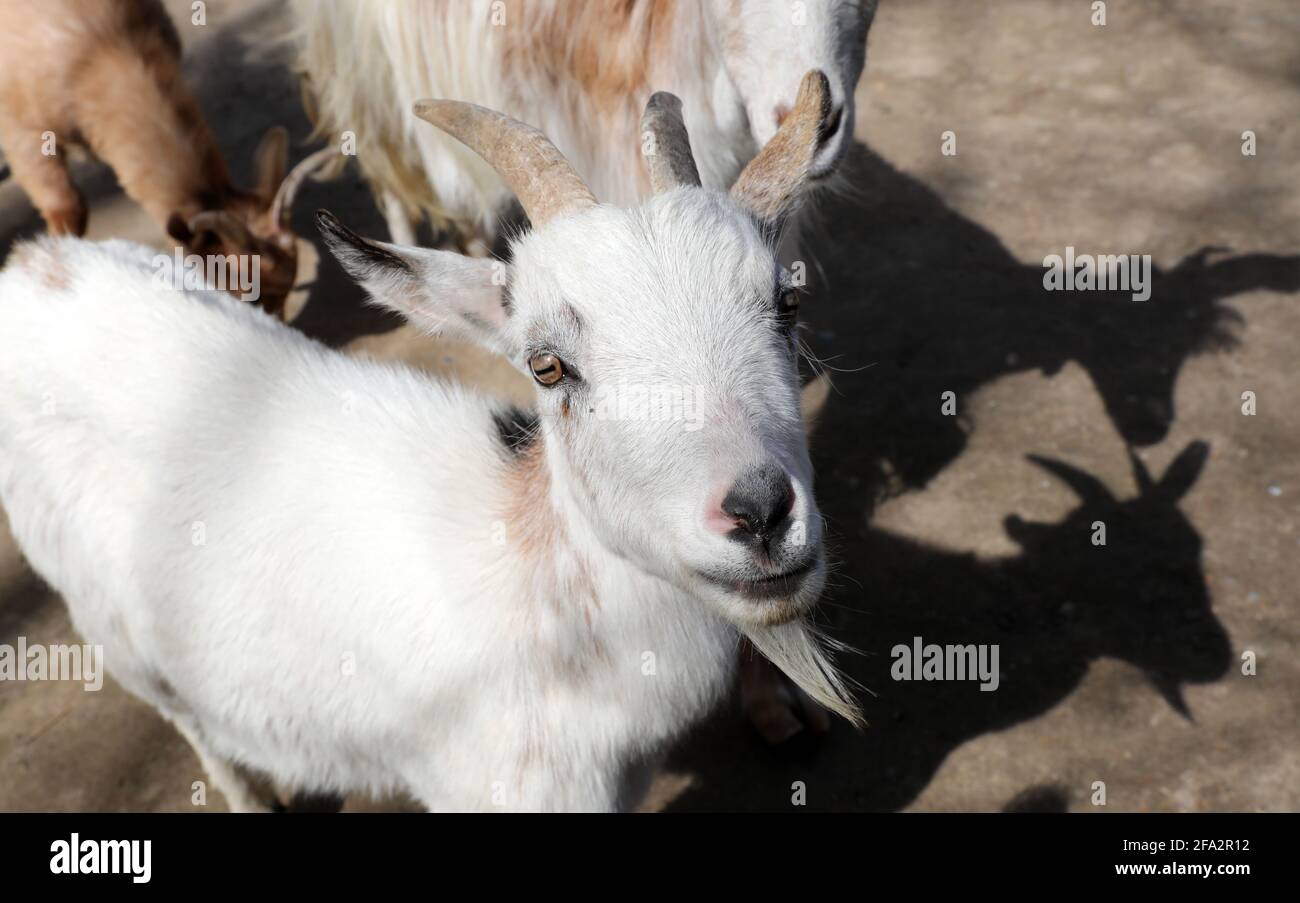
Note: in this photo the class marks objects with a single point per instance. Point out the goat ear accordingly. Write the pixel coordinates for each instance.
(271, 161)
(437, 291)
(1184, 471)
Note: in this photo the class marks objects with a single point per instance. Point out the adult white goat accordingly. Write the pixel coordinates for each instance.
(353, 578)
(579, 71)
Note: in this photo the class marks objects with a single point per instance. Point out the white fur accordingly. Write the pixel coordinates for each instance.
(317, 566)
(732, 62)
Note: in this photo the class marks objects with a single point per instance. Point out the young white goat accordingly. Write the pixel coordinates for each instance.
(579, 71)
(351, 578)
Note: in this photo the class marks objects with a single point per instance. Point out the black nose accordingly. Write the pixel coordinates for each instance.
(760, 501)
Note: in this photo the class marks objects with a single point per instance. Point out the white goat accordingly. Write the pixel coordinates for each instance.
(579, 71)
(582, 72)
(351, 578)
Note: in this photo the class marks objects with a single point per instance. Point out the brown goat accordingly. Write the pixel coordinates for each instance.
(106, 75)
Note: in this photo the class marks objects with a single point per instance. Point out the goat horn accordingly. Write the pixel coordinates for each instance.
(769, 186)
(224, 225)
(668, 157)
(282, 206)
(545, 183)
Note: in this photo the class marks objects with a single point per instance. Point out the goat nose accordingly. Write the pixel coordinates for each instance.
(759, 501)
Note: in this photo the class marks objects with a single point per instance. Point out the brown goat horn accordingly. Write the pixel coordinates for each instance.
(224, 225)
(282, 206)
(545, 183)
(668, 157)
(769, 186)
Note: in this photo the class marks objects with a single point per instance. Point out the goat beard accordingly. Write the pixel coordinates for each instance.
(805, 656)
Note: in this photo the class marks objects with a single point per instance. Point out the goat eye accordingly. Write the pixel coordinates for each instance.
(547, 368)
(789, 303)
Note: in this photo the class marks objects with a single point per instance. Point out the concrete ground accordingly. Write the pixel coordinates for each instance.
(1120, 664)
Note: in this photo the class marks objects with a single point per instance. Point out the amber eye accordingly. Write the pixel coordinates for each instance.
(547, 368)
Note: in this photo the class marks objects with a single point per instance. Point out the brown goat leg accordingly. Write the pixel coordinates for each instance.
(46, 181)
(138, 117)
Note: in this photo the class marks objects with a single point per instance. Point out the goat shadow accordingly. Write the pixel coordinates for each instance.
(933, 302)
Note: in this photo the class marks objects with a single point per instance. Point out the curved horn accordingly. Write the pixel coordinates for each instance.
(546, 185)
(1087, 487)
(223, 224)
(770, 184)
(282, 206)
(668, 156)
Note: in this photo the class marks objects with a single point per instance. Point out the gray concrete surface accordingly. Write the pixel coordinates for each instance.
(1120, 664)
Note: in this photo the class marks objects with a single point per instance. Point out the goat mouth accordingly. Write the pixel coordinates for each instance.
(769, 586)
